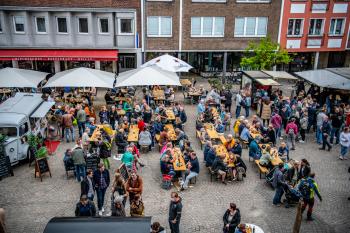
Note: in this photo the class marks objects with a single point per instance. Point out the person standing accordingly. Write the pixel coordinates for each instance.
(344, 143)
(79, 161)
(248, 104)
(277, 183)
(81, 119)
(319, 121)
(325, 131)
(134, 186)
(232, 218)
(308, 187)
(102, 180)
(303, 126)
(67, 123)
(87, 185)
(265, 111)
(175, 210)
(113, 117)
(292, 132)
(228, 102)
(239, 101)
(276, 121)
(2, 221)
(337, 121)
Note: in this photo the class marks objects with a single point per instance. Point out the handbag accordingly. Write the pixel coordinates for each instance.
(75, 122)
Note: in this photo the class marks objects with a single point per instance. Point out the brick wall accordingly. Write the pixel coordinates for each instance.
(229, 10)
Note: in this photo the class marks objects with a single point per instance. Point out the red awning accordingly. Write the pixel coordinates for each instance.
(58, 55)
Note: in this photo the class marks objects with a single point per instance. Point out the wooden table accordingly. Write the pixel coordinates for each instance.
(212, 134)
(185, 82)
(222, 139)
(208, 126)
(158, 95)
(179, 162)
(254, 133)
(276, 160)
(124, 99)
(171, 132)
(96, 134)
(170, 114)
(133, 135)
(120, 112)
(214, 112)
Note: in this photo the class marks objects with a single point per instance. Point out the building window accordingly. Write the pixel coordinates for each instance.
(250, 26)
(40, 24)
(207, 26)
(103, 25)
(19, 24)
(214, 1)
(62, 25)
(126, 26)
(295, 27)
(337, 27)
(316, 27)
(83, 26)
(159, 26)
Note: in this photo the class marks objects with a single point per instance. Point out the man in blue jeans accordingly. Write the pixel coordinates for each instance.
(193, 170)
(79, 162)
(81, 118)
(277, 183)
(102, 180)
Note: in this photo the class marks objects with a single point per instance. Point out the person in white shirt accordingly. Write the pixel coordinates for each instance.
(239, 99)
(344, 143)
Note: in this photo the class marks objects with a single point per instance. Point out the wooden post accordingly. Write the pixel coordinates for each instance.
(297, 222)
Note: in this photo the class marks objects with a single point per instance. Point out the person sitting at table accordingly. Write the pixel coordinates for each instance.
(210, 155)
(208, 115)
(137, 111)
(141, 124)
(166, 165)
(127, 108)
(230, 142)
(192, 170)
(103, 115)
(220, 167)
(203, 136)
(186, 146)
(254, 149)
(158, 126)
(180, 136)
(163, 137)
(200, 122)
(283, 151)
(125, 125)
(120, 140)
(245, 134)
(182, 115)
(259, 128)
(256, 119)
(113, 117)
(219, 127)
(147, 114)
(145, 138)
(231, 164)
(265, 159)
(270, 136)
(237, 148)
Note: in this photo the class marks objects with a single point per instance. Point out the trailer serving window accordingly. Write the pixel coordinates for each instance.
(8, 131)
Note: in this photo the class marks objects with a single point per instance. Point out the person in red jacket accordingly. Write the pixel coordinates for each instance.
(292, 132)
(141, 124)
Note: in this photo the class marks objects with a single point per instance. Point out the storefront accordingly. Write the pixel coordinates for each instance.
(53, 61)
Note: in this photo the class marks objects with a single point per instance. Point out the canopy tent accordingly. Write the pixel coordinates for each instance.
(280, 75)
(82, 77)
(147, 76)
(92, 225)
(345, 72)
(325, 78)
(169, 63)
(267, 82)
(20, 78)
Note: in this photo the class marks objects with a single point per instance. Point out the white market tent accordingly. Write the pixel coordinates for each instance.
(280, 75)
(148, 76)
(20, 78)
(82, 77)
(169, 63)
(325, 78)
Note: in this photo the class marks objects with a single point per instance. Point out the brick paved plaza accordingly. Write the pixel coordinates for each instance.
(30, 204)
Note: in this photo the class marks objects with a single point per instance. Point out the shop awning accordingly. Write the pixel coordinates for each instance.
(59, 55)
(42, 110)
(267, 82)
(325, 78)
(280, 75)
(93, 225)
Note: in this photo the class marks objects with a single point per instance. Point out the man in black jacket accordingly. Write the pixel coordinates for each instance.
(88, 185)
(326, 130)
(102, 180)
(228, 102)
(175, 210)
(85, 208)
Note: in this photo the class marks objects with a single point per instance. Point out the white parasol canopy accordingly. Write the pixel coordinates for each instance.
(148, 76)
(82, 77)
(169, 63)
(13, 77)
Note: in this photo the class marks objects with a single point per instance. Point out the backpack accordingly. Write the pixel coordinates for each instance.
(305, 189)
(166, 182)
(243, 103)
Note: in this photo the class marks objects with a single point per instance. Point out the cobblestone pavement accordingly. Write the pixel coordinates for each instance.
(30, 204)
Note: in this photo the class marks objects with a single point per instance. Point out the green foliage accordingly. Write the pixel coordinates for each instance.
(3, 138)
(41, 153)
(264, 56)
(33, 140)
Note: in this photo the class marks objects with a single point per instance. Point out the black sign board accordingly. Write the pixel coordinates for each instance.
(41, 167)
(5, 164)
(92, 162)
(124, 172)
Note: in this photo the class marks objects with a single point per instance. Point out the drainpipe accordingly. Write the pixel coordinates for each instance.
(180, 29)
(142, 29)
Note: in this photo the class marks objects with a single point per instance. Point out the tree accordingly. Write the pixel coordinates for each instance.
(264, 56)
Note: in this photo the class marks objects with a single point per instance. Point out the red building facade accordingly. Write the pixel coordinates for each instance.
(316, 32)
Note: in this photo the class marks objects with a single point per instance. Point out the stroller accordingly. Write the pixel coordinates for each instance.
(269, 176)
(292, 195)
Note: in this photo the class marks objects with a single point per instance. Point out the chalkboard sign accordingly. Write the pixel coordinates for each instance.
(5, 164)
(92, 162)
(124, 172)
(41, 167)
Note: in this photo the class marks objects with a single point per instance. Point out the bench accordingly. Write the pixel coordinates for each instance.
(202, 142)
(157, 138)
(262, 170)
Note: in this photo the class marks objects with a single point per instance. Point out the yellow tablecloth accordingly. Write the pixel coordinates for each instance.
(133, 135)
